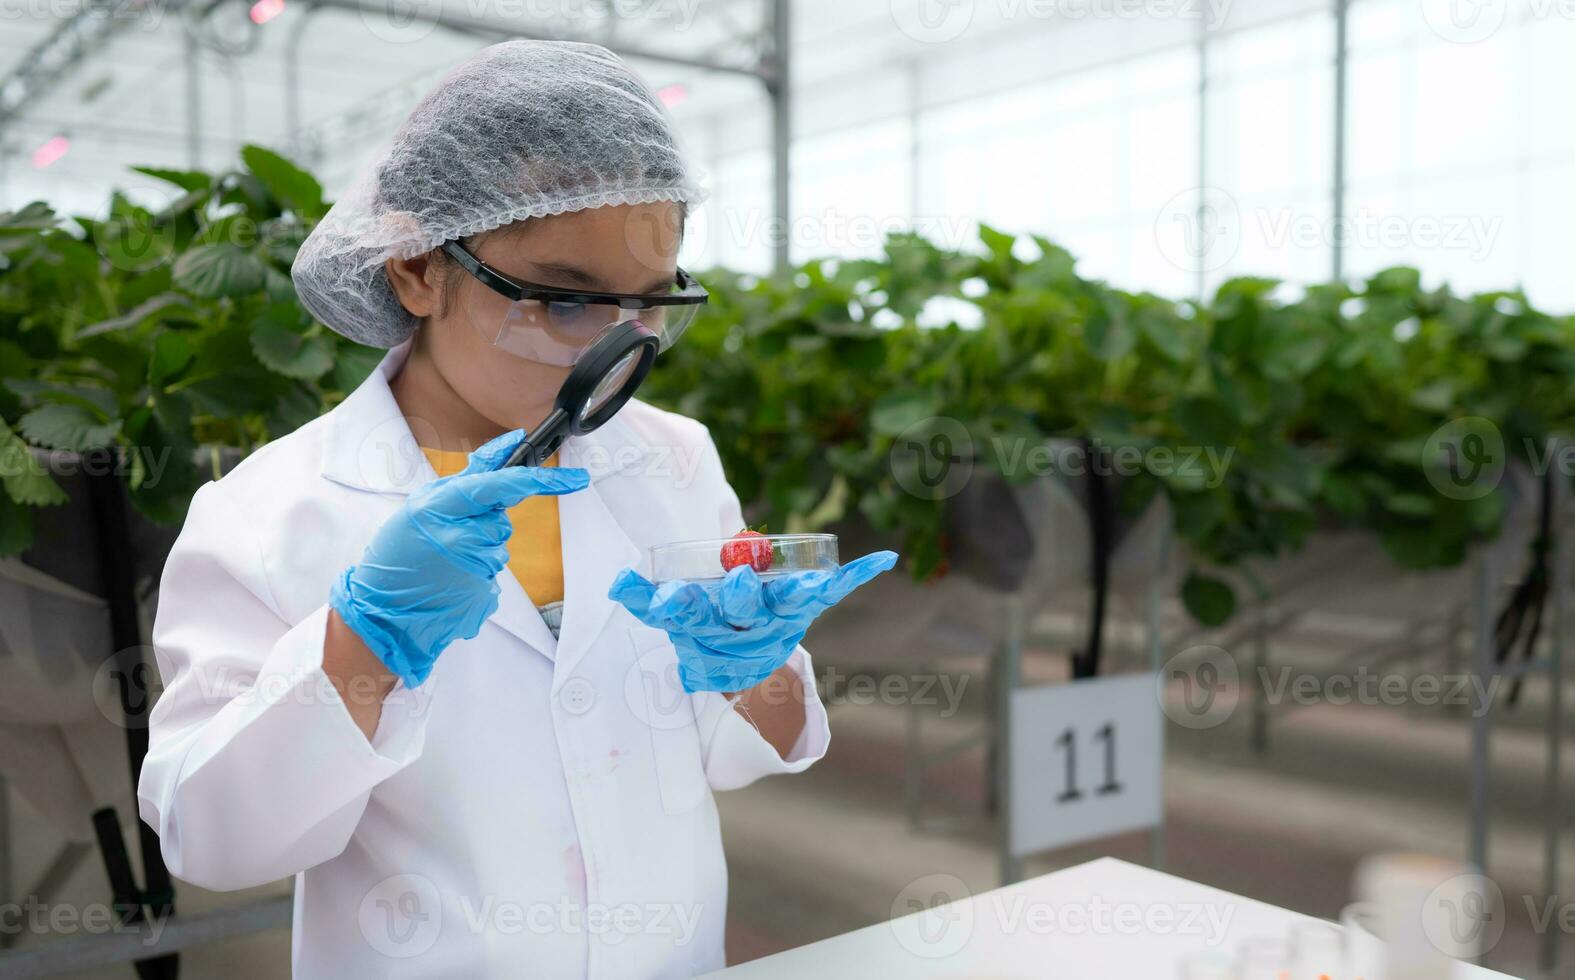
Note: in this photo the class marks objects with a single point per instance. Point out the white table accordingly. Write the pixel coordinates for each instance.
(1104, 920)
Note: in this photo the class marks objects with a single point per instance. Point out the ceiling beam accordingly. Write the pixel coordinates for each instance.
(527, 28)
(47, 62)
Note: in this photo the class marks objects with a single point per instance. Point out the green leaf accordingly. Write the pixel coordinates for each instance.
(16, 525)
(1421, 545)
(1293, 353)
(352, 365)
(171, 353)
(187, 180)
(1108, 333)
(135, 240)
(896, 411)
(215, 271)
(62, 425)
(164, 473)
(157, 307)
(282, 348)
(1410, 505)
(1210, 601)
(1162, 331)
(288, 183)
(25, 480)
(35, 216)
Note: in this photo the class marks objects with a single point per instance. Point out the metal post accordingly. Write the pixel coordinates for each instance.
(1454, 625)
(1008, 674)
(193, 103)
(779, 86)
(913, 790)
(915, 149)
(292, 73)
(7, 871)
(1156, 663)
(1259, 733)
(1482, 669)
(1341, 23)
(1203, 148)
(1553, 819)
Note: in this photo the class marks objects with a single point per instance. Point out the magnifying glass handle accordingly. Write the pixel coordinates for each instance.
(536, 447)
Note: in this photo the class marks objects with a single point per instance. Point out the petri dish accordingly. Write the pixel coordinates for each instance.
(706, 561)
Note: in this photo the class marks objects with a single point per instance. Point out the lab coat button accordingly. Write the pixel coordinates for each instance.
(577, 696)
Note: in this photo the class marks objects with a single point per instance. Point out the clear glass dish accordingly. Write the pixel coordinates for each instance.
(703, 561)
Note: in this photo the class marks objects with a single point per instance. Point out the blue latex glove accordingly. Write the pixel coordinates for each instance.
(750, 630)
(429, 577)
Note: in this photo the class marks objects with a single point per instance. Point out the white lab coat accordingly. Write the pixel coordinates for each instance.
(537, 808)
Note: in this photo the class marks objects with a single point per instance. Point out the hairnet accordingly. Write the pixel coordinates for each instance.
(522, 130)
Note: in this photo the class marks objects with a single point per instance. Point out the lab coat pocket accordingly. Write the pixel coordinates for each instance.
(660, 703)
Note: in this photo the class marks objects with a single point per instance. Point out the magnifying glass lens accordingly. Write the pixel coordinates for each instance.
(611, 383)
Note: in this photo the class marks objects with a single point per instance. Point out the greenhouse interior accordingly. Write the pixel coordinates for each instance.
(938, 488)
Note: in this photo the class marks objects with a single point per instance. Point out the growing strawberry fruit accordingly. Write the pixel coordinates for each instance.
(747, 548)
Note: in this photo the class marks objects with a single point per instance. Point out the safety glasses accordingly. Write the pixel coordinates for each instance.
(556, 326)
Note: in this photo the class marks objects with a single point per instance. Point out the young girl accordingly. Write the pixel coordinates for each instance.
(435, 688)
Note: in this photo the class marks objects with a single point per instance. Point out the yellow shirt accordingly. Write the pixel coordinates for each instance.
(536, 546)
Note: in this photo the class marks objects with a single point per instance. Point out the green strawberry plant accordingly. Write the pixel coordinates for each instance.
(158, 332)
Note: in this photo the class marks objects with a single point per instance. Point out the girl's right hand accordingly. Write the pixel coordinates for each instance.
(429, 576)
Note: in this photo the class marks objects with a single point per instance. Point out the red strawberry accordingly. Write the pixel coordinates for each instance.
(747, 548)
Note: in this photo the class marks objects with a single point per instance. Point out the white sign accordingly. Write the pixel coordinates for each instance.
(1086, 761)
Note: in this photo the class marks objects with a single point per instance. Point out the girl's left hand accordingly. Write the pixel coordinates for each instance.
(751, 628)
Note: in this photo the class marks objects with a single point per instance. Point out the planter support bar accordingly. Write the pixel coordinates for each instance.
(113, 533)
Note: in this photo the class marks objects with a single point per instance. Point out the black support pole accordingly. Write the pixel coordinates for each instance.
(117, 562)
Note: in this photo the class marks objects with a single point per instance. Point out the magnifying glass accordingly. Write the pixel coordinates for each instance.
(604, 378)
